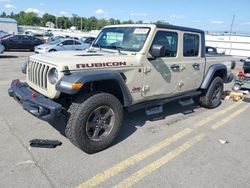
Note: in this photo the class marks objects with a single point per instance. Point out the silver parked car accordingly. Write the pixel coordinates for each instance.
(88, 40)
(1, 48)
(61, 45)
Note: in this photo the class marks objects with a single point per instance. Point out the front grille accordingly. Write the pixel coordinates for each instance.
(38, 74)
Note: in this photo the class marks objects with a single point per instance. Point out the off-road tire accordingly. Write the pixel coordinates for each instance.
(80, 111)
(206, 99)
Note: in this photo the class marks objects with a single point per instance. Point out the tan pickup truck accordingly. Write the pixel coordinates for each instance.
(128, 67)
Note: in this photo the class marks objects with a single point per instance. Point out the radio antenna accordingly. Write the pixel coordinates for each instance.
(230, 34)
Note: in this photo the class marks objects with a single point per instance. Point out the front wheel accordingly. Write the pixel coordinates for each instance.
(212, 96)
(94, 121)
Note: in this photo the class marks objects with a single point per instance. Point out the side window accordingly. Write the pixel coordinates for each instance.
(68, 42)
(191, 45)
(15, 38)
(77, 43)
(169, 40)
(25, 38)
(88, 40)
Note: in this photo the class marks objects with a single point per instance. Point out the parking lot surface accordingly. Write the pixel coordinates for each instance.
(182, 147)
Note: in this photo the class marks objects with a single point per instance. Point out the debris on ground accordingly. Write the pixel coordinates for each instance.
(245, 91)
(25, 162)
(40, 143)
(236, 96)
(246, 98)
(223, 141)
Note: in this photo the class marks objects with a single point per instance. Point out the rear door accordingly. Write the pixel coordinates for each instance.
(26, 42)
(79, 45)
(68, 45)
(191, 61)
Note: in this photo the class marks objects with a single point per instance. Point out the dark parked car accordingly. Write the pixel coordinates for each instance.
(212, 51)
(21, 42)
(246, 65)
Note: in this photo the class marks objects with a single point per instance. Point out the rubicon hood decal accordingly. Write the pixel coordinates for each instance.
(97, 65)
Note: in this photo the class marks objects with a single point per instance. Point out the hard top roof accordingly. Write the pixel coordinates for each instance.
(164, 26)
(168, 26)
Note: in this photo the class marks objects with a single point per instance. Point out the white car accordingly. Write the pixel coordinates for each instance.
(1, 48)
(61, 45)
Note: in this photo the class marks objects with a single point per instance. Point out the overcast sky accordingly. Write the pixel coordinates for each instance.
(212, 15)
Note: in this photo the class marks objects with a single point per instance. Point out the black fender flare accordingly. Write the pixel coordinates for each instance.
(92, 76)
(213, 69)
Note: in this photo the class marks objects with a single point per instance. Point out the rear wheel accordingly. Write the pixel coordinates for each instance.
(94, 121)
(52, 50)
(212, 96)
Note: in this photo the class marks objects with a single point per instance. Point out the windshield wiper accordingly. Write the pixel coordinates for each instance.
(99, 46)
(118, 48)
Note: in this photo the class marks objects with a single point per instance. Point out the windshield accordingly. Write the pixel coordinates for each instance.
(2, 33)
(123, 38)
(54, 42)
(83, 39)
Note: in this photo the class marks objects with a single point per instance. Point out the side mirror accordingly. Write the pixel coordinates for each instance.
(157, 50)
(60, 44)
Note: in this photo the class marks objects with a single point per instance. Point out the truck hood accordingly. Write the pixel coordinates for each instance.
(79, 60)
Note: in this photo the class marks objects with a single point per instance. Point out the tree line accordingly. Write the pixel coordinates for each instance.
(63, 22)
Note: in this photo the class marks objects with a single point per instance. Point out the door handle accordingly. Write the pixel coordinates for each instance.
(175, 67)
(196, 65)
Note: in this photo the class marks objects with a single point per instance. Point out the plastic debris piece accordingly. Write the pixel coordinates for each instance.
(244, 91)
(223, 141)
(40, 143)
(25, 162)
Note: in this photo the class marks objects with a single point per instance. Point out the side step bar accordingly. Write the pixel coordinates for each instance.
(159, 102)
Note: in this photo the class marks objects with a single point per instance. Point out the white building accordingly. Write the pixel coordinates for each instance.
(50, 25)
(236, 45)
(8, 25)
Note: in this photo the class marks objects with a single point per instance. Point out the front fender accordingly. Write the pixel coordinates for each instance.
(92, 76)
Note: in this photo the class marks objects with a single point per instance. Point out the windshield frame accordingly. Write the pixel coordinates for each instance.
(113, 47)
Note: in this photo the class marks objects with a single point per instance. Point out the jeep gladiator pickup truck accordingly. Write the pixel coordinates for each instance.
(128, 67)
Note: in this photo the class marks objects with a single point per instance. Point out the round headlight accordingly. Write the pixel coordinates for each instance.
(53, 75)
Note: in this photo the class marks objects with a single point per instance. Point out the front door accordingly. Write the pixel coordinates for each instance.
(179, 70)
(161, 75)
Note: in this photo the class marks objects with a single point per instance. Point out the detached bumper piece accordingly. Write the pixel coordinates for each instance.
(33, 102)
(39, 143)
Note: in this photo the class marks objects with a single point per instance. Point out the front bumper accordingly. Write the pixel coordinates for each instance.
(40, 51)
(33, 102)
